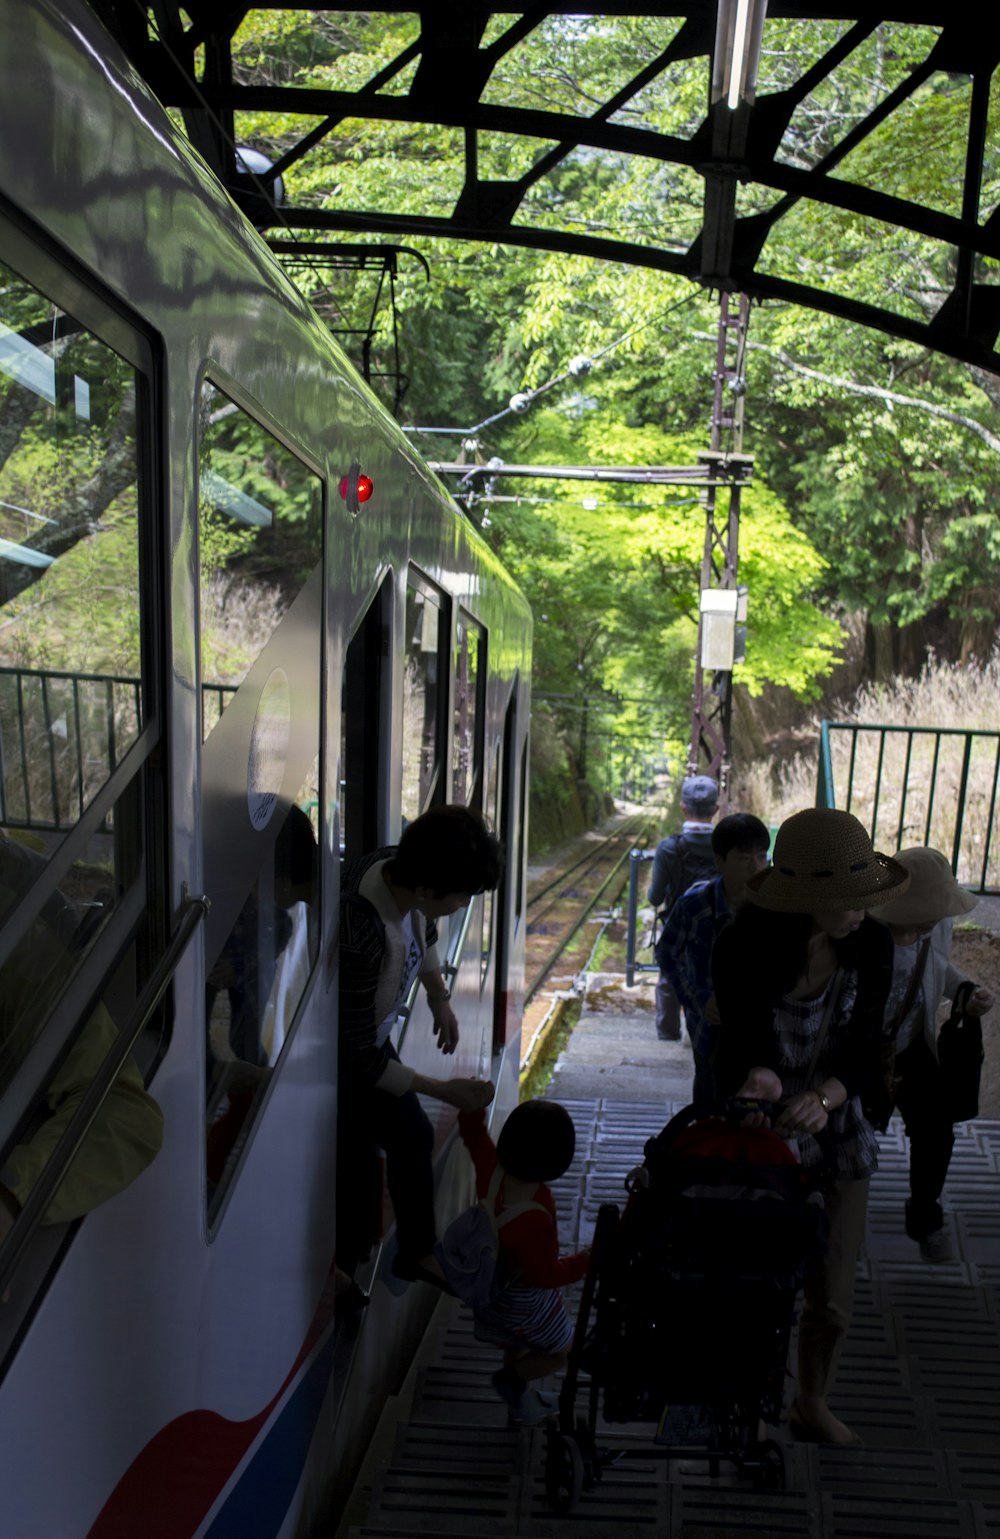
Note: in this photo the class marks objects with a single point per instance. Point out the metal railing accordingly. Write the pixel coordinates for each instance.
(63, 734)
(637, 858)
(918, 785)
(61, 737)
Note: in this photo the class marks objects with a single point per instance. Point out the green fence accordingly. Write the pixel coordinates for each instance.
(918, 785)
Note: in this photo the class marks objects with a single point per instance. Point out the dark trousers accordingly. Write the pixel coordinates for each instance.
(668, 1010)
(369, 1120)
(931, 1135)
(704, 1094)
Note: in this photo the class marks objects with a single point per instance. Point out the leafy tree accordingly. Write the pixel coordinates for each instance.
(877, 463)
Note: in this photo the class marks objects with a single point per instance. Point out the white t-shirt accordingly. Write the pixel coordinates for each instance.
(413, 960)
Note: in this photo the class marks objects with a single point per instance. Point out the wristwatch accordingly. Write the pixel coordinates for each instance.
(824, 1100)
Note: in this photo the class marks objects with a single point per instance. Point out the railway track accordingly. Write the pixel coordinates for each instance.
(561, 908)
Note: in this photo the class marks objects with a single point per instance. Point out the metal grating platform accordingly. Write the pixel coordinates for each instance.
(919, 1380)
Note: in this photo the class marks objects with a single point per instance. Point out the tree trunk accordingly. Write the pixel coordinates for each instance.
(880, 651)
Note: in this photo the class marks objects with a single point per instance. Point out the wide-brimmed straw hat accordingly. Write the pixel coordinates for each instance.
(823, 859)
(933, 892)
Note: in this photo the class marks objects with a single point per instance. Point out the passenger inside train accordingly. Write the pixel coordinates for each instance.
(127, 1132)
(390, 901)
(255, 986)
(802, 977)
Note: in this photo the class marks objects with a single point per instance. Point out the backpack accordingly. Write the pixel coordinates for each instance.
(469, 1251)
(719, 922)
(692, 865)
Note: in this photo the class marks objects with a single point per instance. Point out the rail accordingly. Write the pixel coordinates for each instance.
(534, 983)
(918, 785)
(12, 1251)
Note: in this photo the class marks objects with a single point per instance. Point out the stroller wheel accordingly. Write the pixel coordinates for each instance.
(563, 1471)
(770, 1472)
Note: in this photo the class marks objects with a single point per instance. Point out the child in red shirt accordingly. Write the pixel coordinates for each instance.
(528, 1317)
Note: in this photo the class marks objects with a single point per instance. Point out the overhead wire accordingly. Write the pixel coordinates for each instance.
(578, 368)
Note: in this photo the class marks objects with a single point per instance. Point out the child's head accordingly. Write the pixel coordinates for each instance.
(739, 844)
(537, 1142)
(739, 831)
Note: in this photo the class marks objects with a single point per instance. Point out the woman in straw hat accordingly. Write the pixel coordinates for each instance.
(801, 981)
(920, 921)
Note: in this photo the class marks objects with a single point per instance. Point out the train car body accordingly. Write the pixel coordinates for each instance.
(202, 627)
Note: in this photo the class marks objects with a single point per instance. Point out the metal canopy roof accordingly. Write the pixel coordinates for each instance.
(758, 170)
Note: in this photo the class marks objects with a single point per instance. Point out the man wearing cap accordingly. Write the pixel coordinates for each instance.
(921, 923)
(680, 860)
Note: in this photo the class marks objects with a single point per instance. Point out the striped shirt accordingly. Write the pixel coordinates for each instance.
(376, 969)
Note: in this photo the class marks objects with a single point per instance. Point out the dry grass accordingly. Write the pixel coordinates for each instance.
(906, 790)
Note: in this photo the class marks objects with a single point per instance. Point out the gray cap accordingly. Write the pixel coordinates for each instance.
(700, 791)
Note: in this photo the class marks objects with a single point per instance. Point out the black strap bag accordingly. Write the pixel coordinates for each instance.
(960, 1055)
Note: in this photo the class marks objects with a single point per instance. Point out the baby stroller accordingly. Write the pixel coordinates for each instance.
(687, 1306)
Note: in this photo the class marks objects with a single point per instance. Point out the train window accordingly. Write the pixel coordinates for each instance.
(260, 561)
(492, 811)
(424, 672)
(72, 701)
(255, 987)
(522, 837)
(467, 735)
(505, 828)
(260, 531)
(79, 824)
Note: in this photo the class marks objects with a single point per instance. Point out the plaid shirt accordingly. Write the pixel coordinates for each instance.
(684, 950)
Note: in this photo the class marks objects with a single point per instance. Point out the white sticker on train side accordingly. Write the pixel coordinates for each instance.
(269, 748)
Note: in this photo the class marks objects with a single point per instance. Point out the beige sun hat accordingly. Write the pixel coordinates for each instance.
(933, 892)
(823, 859)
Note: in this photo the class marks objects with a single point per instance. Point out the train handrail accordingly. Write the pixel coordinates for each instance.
(13, 1248)
(632, 966)
(449, 972)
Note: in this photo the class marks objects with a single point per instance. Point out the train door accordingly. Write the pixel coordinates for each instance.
(364, 714)
(260, 568)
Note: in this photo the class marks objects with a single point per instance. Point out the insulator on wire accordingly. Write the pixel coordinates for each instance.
(520, 402)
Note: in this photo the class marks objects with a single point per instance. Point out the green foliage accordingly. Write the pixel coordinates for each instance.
(860, 504)
(613, 572)
(82, 614)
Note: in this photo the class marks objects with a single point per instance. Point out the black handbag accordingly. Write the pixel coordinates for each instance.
(960, 1055)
